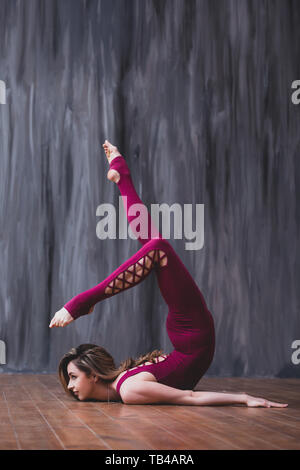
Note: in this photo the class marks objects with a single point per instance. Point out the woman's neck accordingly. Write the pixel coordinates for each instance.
(104, 391)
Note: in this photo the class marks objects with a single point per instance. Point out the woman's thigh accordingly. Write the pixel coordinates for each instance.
(176, 284)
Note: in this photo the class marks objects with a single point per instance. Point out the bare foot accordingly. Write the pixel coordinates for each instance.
(111, 152)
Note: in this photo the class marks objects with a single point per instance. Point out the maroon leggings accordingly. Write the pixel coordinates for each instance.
(189, 323)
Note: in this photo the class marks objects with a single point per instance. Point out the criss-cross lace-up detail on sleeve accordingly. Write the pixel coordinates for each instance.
(136, 272)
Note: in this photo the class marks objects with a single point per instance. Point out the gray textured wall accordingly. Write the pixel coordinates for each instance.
(197, 95)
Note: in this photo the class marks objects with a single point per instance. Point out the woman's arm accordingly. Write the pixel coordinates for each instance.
(219, 398)
(148, 392)
(144, 392)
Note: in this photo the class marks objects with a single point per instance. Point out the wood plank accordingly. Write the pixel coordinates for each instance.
(8, 439)
(37, 437)
(8, 436)
(187, 434)
(145, 433)
(260, 421)
(31, 429)
(79, 437)
(271, 421)
(224, 429)
(36, 413)
(113, 432)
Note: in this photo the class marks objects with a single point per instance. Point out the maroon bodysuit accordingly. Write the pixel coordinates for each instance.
(189, 323)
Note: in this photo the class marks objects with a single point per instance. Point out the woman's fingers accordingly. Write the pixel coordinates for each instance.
(277, 405)
(255, 402)
(55, 322)
(61, 318)
(269, 404)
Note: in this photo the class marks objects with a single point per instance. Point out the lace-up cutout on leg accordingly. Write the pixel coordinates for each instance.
(137, 272)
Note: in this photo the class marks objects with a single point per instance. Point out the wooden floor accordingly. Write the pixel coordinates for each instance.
(35, 413)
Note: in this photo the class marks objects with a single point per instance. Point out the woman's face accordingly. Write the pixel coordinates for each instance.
(81, 385)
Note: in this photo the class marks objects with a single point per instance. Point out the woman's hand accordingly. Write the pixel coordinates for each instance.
(255, 401)
(61, 318)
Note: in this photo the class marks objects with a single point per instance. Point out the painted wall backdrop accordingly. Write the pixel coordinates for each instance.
(197, 96)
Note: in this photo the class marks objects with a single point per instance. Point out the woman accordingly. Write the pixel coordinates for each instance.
(89, 373)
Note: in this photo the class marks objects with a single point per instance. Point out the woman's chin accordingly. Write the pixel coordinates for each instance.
(77, 396)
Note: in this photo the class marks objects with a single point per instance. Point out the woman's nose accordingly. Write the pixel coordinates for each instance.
(70, 385)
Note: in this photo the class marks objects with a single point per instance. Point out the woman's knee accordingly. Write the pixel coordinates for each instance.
(158, 243)
(161, 248)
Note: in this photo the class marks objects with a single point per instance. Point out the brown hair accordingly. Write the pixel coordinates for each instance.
(90, 358)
